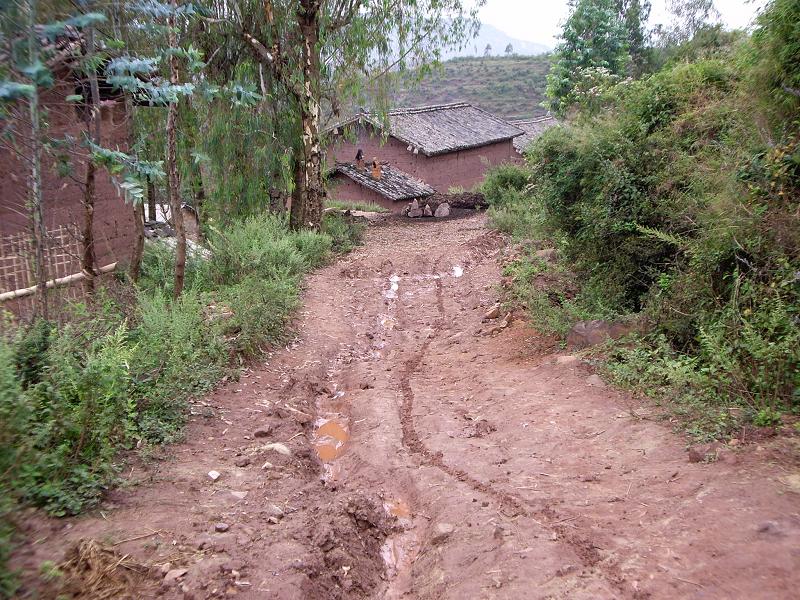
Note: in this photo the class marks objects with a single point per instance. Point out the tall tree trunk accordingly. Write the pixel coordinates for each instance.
(89, 259)
(35, 202)
(135, 268)
(172, 163)
(138, 244)
(151, 199)
(310, 195)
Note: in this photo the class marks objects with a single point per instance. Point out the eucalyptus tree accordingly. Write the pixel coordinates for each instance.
(594, 42)
(323, 53)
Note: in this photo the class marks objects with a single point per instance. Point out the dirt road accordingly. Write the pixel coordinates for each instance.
(394, 452)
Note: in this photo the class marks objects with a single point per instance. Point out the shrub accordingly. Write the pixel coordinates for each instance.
(671, 202)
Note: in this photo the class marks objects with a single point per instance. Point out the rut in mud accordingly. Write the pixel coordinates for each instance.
(401, 449)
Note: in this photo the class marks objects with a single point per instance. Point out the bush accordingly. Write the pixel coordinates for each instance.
(671, 202)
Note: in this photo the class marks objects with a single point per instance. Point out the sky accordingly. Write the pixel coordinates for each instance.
(541, 20)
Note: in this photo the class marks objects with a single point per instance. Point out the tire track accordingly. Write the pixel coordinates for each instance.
(510, 505)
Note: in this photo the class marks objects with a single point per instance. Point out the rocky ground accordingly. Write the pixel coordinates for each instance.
(406, 447)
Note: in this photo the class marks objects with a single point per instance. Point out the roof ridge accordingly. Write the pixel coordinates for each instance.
(428, 108)
(534, 120)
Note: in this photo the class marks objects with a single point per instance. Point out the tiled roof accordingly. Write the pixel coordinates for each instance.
(533, 128)
(393, 184)
(443, 128)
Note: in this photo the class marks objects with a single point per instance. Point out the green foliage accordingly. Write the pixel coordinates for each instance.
(119, 376)
(672, 200)
(594, 37)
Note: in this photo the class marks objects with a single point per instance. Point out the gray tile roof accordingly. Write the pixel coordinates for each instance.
(448, 128)
(533, 128)
(442, 128)
(394, 184)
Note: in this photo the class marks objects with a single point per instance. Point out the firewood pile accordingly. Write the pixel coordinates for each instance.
(441, 205)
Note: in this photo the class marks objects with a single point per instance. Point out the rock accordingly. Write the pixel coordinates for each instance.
(427, 212)
(414, 205)
(242, 461)
(221, 527)
(275, 511)
(239, 495)
(771, 528)
(279, 448)
(591, 333)
(214, 475)
(415, 213)
(443, 210)
(493, 312)
(547, 254)
(262, 432)
(568, 360)
(595, 380)
(442, 531)
(173, 575)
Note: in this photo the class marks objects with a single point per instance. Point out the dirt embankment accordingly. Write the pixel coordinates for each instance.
(403, 448)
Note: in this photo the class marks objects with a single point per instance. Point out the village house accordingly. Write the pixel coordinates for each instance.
(436, 147)
(532, 128)
(63, 176)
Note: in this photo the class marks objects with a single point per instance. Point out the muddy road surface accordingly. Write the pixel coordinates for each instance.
(402, 447)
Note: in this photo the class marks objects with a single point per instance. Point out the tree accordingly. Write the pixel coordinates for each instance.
(634, 15)
(594, 37)
(509, 50)
(321, 52)
(688, 17)
(488, 50)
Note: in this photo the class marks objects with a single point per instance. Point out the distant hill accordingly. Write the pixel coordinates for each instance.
(511, 87)
(499, 41)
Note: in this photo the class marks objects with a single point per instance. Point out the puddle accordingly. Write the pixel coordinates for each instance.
(331, 437)
(399, 551)
(458, 271)
(394, 285)
(398, 508)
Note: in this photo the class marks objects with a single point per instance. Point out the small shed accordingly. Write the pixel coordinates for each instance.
(386, 186)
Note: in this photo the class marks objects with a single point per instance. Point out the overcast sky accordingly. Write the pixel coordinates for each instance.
(540, 20)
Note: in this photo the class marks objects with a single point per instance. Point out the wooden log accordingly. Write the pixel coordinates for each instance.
(21, 293)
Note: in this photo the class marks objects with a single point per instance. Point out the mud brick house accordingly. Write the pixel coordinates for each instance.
(114, 230)
(533, 128)
(444, 146)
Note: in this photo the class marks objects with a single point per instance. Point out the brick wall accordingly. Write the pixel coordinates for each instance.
(63, 194)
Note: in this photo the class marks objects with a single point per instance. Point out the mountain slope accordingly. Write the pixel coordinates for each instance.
(510, 87)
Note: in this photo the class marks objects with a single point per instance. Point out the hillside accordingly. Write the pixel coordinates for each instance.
(510, 87)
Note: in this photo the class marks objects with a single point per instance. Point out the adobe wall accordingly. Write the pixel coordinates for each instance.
(344, 189)
(464, 169)
(63, 195)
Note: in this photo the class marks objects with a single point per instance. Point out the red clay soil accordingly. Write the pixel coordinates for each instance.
(429, 459)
